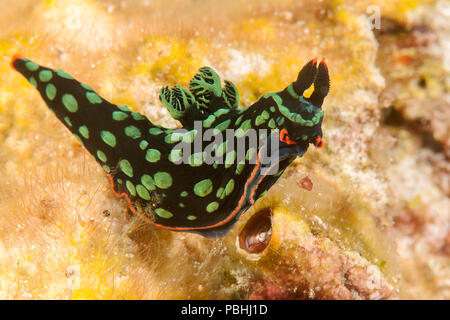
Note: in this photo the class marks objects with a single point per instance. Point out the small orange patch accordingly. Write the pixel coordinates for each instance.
(319, 142)
(285, 137)
(14, 58)
(305, 183)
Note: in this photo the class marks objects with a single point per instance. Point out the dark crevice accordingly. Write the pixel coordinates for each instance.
(392, 117)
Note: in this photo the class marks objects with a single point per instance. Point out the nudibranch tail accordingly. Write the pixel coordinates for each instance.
(106, 130)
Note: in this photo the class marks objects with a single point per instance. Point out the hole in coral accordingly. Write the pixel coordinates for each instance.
(394, 118)
(422, 82)
(257, 232)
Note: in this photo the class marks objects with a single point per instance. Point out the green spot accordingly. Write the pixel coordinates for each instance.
(259, 120)
(106, 168)
(126, 167)
(119, 115)
(33, 82)
(229, 159)
(148, 182)
(152, 155)
(280, 120)
(250, 153)
(265, 115)
(63, 74)
(87, 87)
(209, 121)
(272, 124)
(78, 138)
(196, 159)
(221, 112)
(101, 156)
(240, 167)
(163, 180)
(119, 181)
(246, 125)
(70, 103)
(108, 138)
(173, 137)
(203, 188)
(238, 121)
(224, 125)
(93, 97)
(220, 193)
(229, 187)
(45, 75)
(272, 109)
(239, 133)
(50, 91)
(124, 108)
(189, 137)
(132, 132)
(175, 155)
(67, 121)
(31, 66)
(191, 218)
(143, 144)
(184, 194)
(212, 206)
(155, 131)
(181, 205)
(163, 213)
(84, 131)
(221, 149)
(131, 188)
(137, 116)
(142, 192)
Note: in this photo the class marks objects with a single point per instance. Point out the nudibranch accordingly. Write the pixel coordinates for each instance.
(168, 186)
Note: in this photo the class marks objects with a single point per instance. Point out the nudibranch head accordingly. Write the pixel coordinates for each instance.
(303, 115)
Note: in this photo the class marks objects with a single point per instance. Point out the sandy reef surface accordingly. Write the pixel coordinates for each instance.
(365, 217)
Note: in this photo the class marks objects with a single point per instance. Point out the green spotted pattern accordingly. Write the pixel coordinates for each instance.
(50, 91)
(119, 115)
(152, 155)
(142, 158)
(84, 131)
(131, 188)
(33, 82)
(45, 75)
(70, 103)
(203, 188)
(163, 180)
(108, 137)
(213, 206)
(93, 97)
(163, 213)
(142, 192)
(132, 132)
(126, 167)
(101, 156)
(148, 182)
